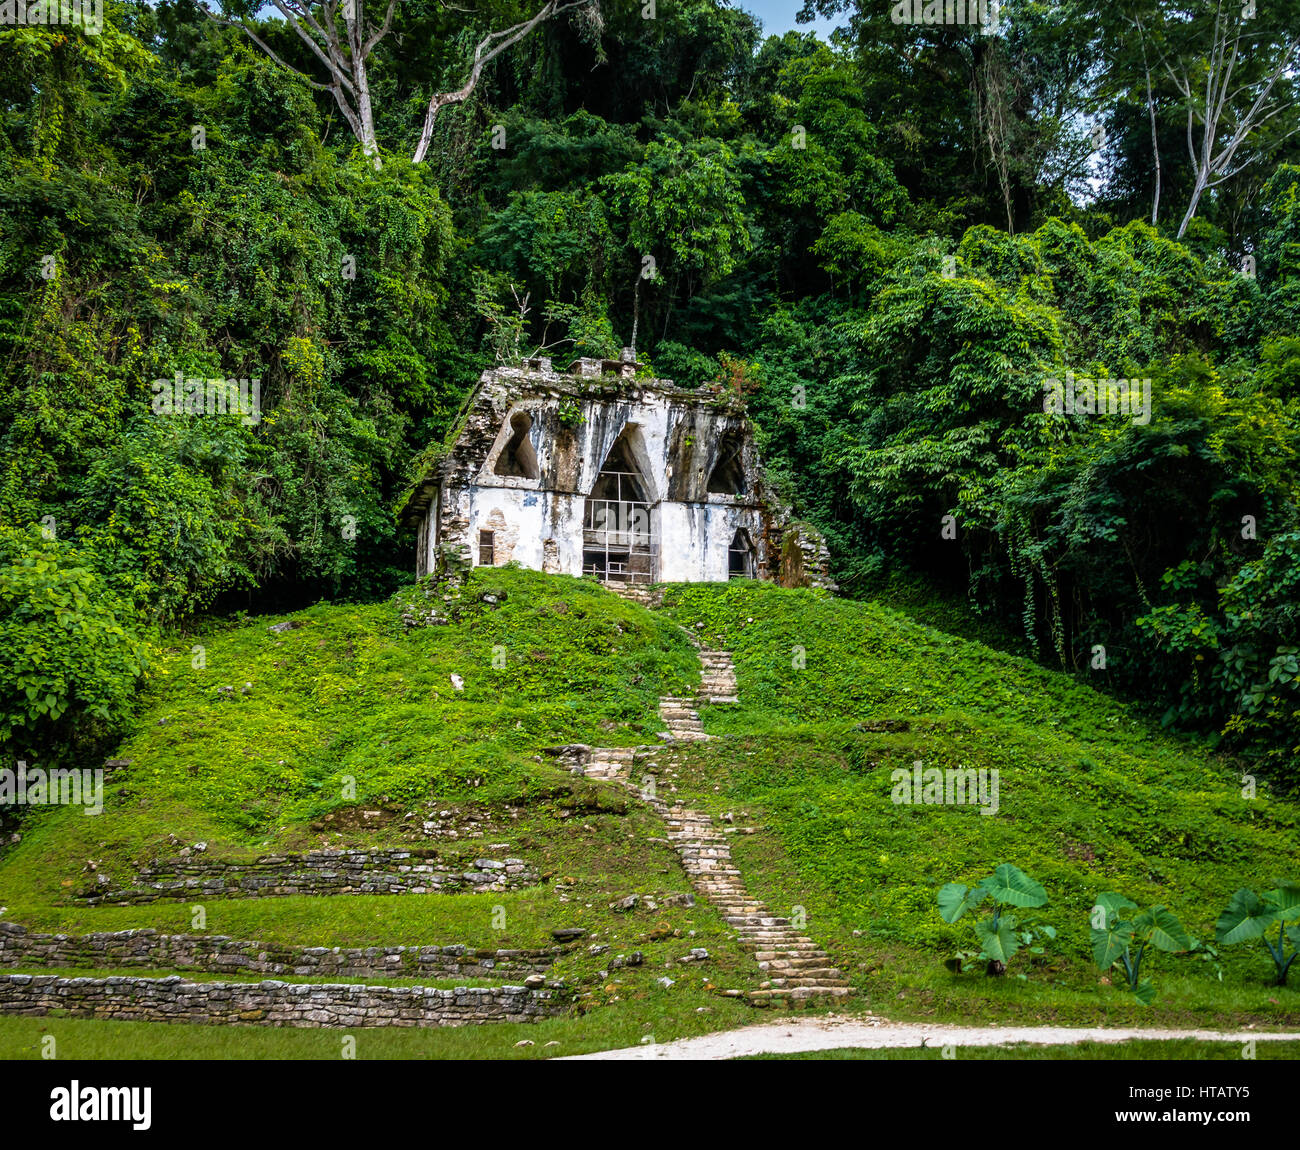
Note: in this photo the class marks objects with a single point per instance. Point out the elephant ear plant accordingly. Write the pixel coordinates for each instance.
(1120, 936)
(1249, 916)
(1001, 934)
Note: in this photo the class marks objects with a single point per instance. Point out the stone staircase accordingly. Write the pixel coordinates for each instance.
(681, 716)
(681, 720)
(647, 594)
(797, 968)
(718, 683)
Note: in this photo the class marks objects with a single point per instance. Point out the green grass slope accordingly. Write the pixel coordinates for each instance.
(835, 695)
(272, 734)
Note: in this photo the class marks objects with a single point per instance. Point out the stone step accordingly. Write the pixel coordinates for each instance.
(805, 984)
(799, 993)
(800, 969)
(803, 976)
(799, 961)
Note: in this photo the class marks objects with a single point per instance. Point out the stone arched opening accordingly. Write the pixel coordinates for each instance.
(618, 537)
(517, 458)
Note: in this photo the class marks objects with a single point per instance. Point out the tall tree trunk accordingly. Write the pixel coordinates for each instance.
(636, 310)
(992, 110)
(1155, 139)
(361, 80)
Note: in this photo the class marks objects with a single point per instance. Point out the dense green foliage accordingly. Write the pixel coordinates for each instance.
(895, 240)
(251, 730)
(73, 652)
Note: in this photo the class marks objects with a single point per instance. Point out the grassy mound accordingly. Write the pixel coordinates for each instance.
(352, 732)
(254, 739)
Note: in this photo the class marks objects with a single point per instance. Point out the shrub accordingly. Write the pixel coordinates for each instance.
(1249, 916)
(998, 935)
(1120, 938)
(70, 657)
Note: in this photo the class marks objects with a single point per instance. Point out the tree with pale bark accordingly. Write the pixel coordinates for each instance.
(1234, 65)
(343, 37)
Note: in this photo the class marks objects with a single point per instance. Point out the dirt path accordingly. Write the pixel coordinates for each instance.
(833, 1032)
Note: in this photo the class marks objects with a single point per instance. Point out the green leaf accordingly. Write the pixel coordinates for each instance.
(1009, 884)
(955, 901)
(1285, 901)
(1145, 992)
(1114, 905)
(1110, 943)
(1000, 941)
(1246, 917)
(1167, 933)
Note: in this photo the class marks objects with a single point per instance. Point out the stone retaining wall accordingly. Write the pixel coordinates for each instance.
(269, 1003)
(218, 954)
(414, 871)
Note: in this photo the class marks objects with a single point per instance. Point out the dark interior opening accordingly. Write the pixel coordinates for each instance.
(728, 475)
(740, 556)
(518, 458)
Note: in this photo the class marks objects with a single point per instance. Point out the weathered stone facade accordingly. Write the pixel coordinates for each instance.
(603, 473)
(415, 871)
(219, 954)
(270, 1003)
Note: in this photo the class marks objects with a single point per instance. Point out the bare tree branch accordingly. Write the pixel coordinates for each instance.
(488, 49)
(346, 57)
(1215, 111)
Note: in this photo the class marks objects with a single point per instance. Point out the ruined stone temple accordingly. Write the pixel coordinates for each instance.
(600, 472)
